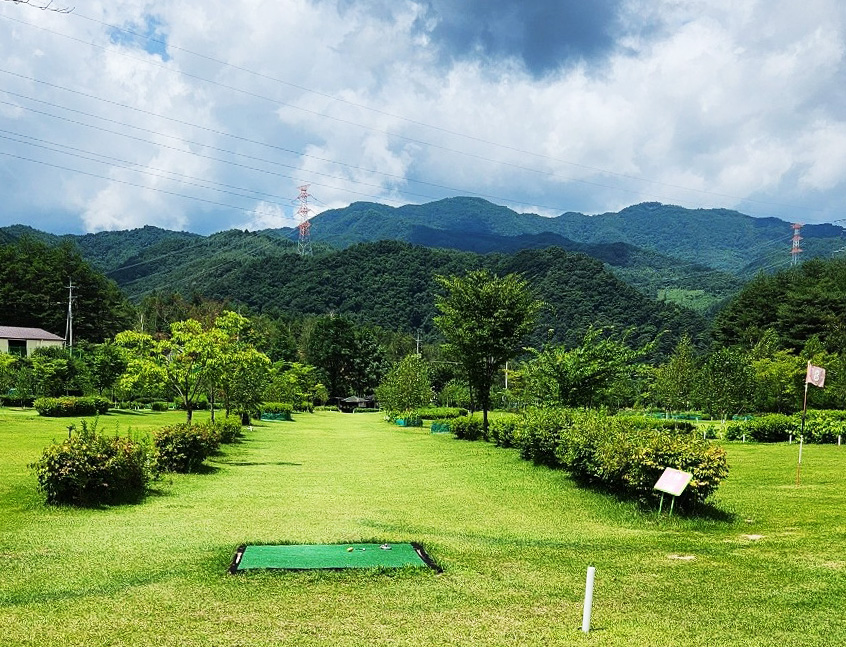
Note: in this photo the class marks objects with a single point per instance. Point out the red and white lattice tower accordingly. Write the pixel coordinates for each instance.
(304, 245)
(795, 250)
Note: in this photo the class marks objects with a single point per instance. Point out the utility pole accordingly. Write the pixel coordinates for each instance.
(69, 321)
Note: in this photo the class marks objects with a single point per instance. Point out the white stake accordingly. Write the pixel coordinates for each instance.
(591, 572)
(838, 440)
(790, 442)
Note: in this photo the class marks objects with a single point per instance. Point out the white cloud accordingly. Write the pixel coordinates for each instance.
(718, 99)
(269, 216)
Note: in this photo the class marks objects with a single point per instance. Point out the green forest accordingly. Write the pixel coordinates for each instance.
(343, 318)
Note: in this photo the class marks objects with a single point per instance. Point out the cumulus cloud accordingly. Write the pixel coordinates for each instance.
(209, 116)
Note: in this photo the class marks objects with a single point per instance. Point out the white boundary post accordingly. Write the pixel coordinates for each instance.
(591, 573)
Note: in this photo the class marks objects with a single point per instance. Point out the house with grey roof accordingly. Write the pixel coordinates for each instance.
(22, 341)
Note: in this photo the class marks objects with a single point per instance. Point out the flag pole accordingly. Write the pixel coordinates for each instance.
(802, 431)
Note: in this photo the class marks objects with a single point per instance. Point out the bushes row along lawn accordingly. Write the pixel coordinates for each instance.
(623, 455)
(89, 468)
(821, 426)
(72, 406)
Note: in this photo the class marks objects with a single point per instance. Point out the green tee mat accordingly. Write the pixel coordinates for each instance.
(330, 556)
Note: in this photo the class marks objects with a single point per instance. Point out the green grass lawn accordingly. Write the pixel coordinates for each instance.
(515, 540)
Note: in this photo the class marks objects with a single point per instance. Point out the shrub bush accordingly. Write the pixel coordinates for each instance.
(228, 430)
(72, 406)
(467, 428)
(670, 425)
(691, 454)
(501, 430)
(159, 406)
(183, 447)
(539, 432)
(91, 469)
(822, 426)
(13, 400)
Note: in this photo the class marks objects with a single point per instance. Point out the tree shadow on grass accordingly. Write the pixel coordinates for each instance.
(108, 588)
(248, 463)
(126, 412)
(683, 508)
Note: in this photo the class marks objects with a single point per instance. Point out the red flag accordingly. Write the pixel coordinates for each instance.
(815, 375)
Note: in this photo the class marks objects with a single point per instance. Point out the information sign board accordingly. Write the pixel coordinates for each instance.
(673, 481)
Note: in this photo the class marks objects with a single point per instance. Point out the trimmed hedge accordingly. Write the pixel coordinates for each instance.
(72, 406)
(159, 406)
(17, 400)
(90, 469)
(821, 426)
(501, 430)
(277, 411)
(467, 428)
(440, 413)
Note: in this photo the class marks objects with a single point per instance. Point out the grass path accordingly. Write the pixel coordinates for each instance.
(514, 540)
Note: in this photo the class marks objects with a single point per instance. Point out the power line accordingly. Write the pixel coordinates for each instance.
(170, 70)
(264, 144)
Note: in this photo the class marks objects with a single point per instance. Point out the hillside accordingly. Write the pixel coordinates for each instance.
(391, 284)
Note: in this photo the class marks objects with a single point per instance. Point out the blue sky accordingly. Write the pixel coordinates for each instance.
(208, 116)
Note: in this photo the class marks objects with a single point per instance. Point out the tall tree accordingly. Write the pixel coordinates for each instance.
(585, 375)
(727, 382)
(239, 370)
(484, 319)
(331, 347)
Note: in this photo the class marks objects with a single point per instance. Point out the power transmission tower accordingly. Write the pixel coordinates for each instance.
(304, 245)
(795, 250)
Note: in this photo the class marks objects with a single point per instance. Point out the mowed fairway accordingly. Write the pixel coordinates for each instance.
(514, 541)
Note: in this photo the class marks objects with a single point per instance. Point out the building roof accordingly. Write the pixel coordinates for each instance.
(14, 332)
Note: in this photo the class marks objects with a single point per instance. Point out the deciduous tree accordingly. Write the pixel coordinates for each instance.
(484, 319)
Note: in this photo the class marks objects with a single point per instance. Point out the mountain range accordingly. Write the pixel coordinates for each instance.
(693, 257)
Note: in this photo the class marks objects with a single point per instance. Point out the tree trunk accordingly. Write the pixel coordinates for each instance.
(189, 413)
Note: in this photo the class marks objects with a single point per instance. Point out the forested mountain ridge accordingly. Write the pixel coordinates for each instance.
(697, 258)
(718, 238)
